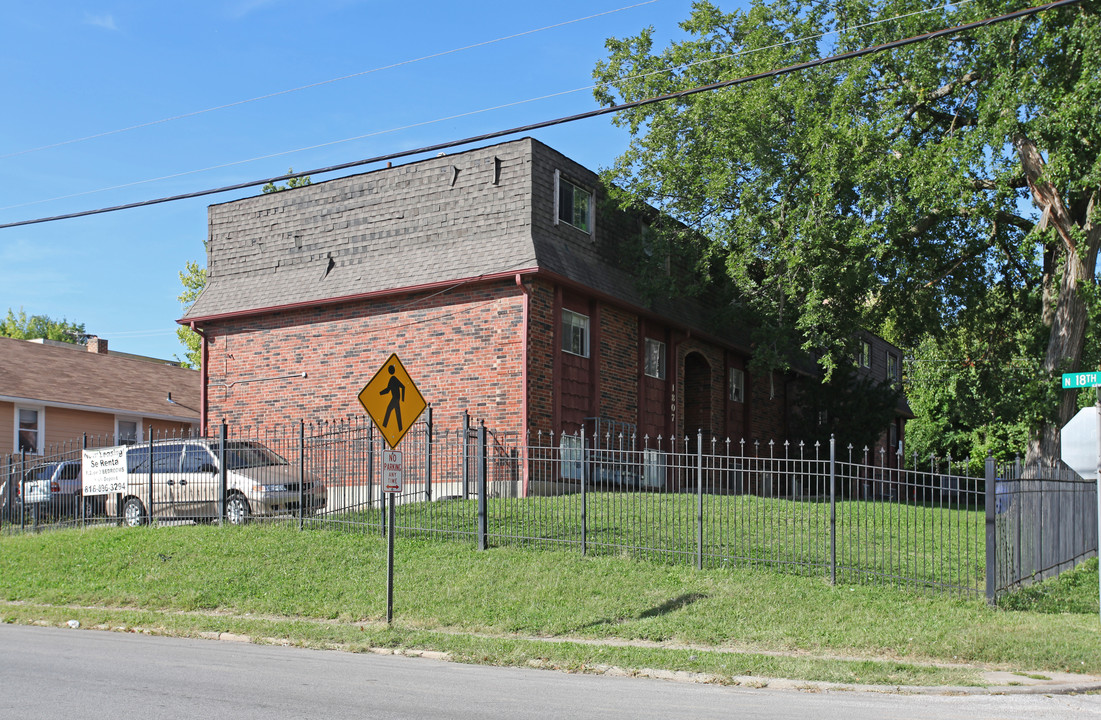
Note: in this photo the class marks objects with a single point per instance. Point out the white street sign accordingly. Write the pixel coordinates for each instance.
(391, 471)
(1078, 443)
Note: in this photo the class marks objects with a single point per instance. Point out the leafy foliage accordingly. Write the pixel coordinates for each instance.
(40, 326)
(193, 279)
(907, 192)
(849, 406)
(292, 183)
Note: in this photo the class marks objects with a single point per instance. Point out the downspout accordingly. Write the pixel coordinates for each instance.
(204, 356)
(526, 292)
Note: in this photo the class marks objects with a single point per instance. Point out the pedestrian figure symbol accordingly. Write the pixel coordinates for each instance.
(397, 397)
(393, 401)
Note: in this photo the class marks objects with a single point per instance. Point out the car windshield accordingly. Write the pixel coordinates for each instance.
(249, 455)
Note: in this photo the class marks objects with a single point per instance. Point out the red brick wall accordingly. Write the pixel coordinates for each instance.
(618, 365)
(462, 348)
(542, 341)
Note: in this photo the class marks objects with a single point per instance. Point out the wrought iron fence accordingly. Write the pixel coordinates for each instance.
(825, 510)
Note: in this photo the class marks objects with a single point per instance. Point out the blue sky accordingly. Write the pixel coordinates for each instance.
(79, 71)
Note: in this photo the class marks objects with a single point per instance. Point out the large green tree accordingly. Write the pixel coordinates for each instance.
(891, 191)
(26, 327)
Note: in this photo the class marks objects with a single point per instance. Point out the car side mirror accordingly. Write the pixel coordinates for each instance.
(208, 468)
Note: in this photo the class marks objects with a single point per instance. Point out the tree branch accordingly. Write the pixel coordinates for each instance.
(941, 92)
(989, 184)
(1044, 193)
(960, 261)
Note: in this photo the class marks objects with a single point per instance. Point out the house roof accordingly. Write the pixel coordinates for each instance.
(452, 218)
(428, 222)
(75, 378)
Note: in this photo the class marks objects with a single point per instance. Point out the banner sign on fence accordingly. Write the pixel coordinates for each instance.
(392, 471)
(103, 471)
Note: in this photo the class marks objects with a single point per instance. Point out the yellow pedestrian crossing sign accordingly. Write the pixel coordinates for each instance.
(392, 400)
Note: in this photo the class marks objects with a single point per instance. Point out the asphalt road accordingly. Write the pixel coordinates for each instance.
(85, 674)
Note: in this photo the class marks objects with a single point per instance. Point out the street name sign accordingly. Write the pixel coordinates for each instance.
(1072, 381)
(392, 400)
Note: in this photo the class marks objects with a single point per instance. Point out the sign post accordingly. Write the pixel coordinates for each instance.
(393, 416)
(1075, 440)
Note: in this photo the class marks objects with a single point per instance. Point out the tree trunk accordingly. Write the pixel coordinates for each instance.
(1068, 324)
(1064, 349)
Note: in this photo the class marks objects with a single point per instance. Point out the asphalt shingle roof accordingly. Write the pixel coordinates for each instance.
(75, 377)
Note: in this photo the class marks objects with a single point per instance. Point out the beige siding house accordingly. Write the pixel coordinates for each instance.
(52, 394)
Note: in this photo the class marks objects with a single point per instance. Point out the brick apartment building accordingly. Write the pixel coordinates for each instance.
(502, 280)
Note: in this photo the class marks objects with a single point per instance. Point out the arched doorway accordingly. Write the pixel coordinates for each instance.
(697, 396)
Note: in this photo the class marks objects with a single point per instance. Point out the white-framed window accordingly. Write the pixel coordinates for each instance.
(575, 333)
(128, 431)
(29, 429)
(864, 355)
(655, 358)
(737, 385)
(893, 375)
(573, 204)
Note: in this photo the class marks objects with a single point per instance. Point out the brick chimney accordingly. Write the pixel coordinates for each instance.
(97, 345)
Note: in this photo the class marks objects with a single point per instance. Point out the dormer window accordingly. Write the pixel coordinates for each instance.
(573, 204)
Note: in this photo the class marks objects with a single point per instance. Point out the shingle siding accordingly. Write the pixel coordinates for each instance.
(397, 227)
(423, 260)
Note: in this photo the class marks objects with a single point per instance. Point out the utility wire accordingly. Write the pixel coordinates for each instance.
(423, 123)
(798, 67)
(322, 82)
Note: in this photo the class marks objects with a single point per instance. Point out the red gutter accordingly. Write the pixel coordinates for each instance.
(204, 375)
(373, 295)
(524, 381)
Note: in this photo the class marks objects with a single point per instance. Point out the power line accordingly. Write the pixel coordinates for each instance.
(320, 83)
(470, 113)
(798, 67)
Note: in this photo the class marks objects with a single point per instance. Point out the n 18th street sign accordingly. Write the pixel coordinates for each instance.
(1081, 380)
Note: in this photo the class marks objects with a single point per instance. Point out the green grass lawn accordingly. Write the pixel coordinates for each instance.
(544, 607)
(926, 545)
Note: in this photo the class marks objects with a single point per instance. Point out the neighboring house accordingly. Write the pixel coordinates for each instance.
(503, 280)
(52, 394)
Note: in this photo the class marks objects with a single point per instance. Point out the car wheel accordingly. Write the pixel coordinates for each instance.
(237, 510)
(133, 513)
